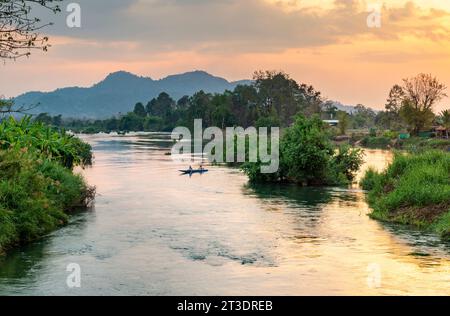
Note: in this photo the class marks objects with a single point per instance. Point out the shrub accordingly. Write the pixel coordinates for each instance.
(37, 185)
(347, 162)
(370, 180)
(376, 142)
(34, 195)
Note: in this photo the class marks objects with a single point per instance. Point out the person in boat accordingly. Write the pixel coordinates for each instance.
(190, 169)
(201, 167)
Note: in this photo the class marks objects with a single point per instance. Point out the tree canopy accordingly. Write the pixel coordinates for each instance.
(414, 101)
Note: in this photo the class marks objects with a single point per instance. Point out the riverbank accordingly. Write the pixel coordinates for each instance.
(414, 190)
(38, 188)
(414, 144)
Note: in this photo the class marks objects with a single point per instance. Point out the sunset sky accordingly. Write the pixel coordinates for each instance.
(327, 45)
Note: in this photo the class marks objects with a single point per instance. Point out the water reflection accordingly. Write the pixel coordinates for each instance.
(21, 266)
(154, 232)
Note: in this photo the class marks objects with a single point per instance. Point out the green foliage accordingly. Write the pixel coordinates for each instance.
(34, 193)
(139, 110)
(363, 117)
(44, 141)
(347, 162)
(417, 119)
(390, 134)
(376, 142)
(370, 179)
(308, 157)
(306, 151)
(37, 185)
(253, 171)
(417, 144)
(268, 121)
(415, 189)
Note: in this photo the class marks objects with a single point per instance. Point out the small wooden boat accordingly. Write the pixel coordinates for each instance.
(194, 171)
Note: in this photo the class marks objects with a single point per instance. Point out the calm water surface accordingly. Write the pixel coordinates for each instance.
(155, 232)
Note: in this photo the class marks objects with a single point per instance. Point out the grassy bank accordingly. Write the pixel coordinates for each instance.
(414, 190)
(417, 144)
(38, 188)
(413, 144)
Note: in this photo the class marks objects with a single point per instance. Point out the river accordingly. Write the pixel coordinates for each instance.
(154, 232)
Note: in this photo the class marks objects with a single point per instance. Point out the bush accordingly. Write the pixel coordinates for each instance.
(376, 142)
(347, 162)
(370, 179)
(34, 195)
(391, 135)
(37, 185)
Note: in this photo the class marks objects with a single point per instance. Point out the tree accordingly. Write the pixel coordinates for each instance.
(395, 99)
(139, 110)
(57, 120)
(44, 118)
(416, 118)
(161, 106)
(423, 91)
(131, 122)
(199, 109)
(363, 117)
(221, 110)
(311, 102)
(19, 29)
(344, 122)
(390, 118)
(330, 110)
(245, 105)
(279, 94)
(414, 101)
(183, 103)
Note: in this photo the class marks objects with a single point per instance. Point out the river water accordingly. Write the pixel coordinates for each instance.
(154, 232)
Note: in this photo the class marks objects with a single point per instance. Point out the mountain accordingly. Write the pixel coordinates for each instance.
(119, 92)
(341, 107)
(346, 108)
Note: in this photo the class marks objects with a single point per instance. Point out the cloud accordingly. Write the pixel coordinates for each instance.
(326, 43)
(244, 26)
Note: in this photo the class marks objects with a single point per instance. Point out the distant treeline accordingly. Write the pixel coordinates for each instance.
(272, 100)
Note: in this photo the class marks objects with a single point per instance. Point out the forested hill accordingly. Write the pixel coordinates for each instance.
(119, 91)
